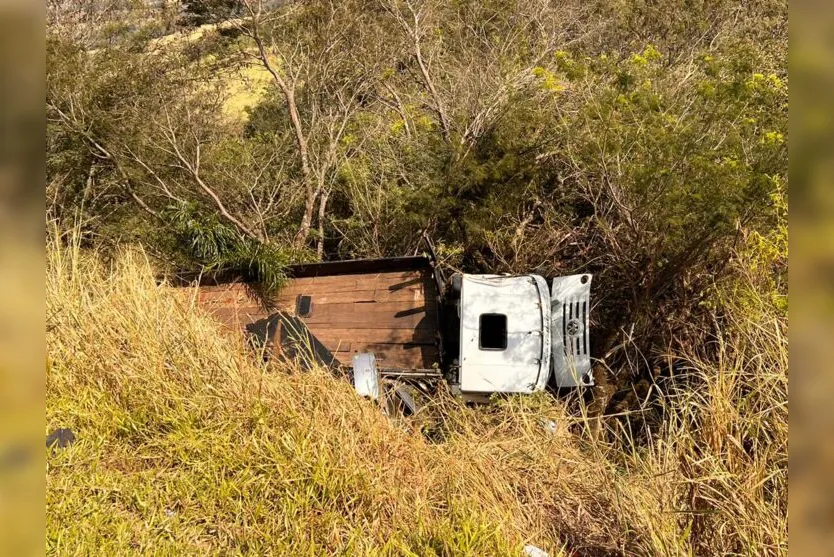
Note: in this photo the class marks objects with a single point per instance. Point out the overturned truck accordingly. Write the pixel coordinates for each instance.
(393, 322)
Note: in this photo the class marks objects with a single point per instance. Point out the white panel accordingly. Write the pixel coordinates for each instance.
(365, 375)
(523, 366)
(570, 308)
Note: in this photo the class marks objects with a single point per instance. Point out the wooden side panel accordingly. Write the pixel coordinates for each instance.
(233, 304)
(392, 314)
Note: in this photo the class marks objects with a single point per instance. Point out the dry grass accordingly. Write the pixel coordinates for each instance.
(243, 86)
(187, 444)
(244, 90)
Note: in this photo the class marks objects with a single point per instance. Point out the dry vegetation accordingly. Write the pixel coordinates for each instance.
(645, 143)
(187, 444)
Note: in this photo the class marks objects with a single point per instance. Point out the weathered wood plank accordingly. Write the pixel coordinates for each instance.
(354, 347)
(385, 275)
(371, 336)
(338, 346)
(371, 315)
(398, 308)
(360, 282)
(238, 295)
(352, 319)
(393, 356)
(412, 293)
(238, 318)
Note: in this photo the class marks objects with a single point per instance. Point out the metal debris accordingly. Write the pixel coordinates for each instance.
(533, 551)
(61, 437)
(365, 375)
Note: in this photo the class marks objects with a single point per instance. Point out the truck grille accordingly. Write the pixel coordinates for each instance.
(575, 326)
(570, 309)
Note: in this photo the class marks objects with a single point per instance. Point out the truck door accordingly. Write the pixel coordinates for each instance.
(570, 305)
(504, 334)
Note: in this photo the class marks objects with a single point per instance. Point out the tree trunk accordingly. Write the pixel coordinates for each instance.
(445, 126)
(300, 240)
(322, 208)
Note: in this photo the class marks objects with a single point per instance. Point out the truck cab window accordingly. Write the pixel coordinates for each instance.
(492, 331)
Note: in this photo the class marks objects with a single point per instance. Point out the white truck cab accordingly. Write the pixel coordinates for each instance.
(515, 332)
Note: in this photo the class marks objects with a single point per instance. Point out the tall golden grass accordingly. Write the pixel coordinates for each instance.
(188, 444)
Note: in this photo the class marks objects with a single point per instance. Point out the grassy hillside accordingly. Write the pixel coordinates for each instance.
(187, 444)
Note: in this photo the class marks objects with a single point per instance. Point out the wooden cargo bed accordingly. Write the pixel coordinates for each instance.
(390, 313)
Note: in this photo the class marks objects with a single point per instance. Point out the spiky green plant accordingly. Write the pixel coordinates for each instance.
(219, 247)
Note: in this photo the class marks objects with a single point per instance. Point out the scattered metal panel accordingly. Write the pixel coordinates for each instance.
(570, 307)
(400, 400)
(366, 375)
(399, 373)
(61, 438)
(531, 550)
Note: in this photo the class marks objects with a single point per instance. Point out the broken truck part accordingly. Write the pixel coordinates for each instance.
(399, 321)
